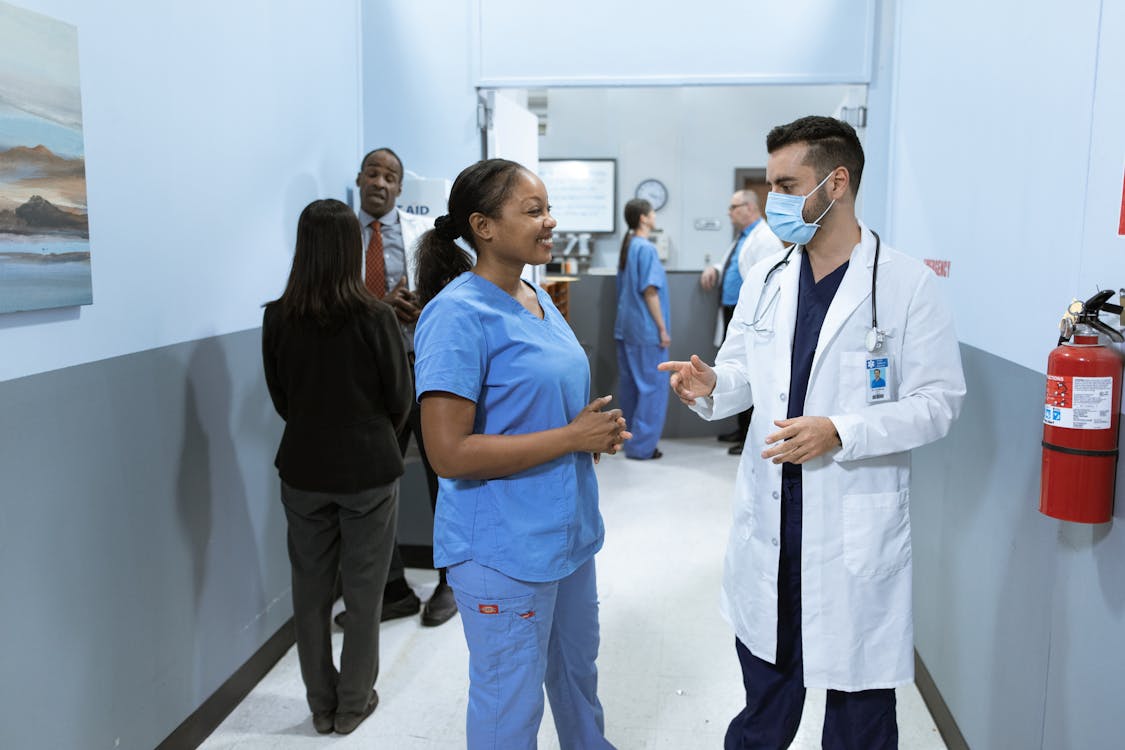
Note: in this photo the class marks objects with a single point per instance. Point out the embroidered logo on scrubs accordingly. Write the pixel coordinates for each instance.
(489, 609)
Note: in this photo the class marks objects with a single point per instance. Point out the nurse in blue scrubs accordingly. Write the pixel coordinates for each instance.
(510, 429)
(641, 332)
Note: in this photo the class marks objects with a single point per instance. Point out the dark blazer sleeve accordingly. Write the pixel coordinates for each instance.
(269, 363)
(394, 369)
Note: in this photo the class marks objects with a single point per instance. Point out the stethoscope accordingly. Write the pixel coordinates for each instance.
(873, 339)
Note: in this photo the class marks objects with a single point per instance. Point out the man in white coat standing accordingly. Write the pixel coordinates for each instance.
(389, 239)
(817, 579)
(755, 242)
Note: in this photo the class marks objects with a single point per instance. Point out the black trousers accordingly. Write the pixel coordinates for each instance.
(775, 693)
(413, 427)
(744, 416)
(351, 535)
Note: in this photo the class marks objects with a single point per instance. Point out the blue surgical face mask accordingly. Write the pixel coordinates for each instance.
(786, 215)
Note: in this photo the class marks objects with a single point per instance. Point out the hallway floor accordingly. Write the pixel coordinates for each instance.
(669, 676)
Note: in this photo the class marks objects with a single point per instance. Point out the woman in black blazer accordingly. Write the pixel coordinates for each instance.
(336, 369)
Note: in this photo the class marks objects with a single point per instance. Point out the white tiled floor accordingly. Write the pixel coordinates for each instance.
(669, 677)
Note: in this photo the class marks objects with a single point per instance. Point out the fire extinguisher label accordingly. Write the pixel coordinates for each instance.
(1078, 403)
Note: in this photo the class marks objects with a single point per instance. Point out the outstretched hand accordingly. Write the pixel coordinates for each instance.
(690, 380)
(596, 431)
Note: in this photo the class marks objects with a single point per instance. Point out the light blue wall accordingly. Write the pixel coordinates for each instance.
(1007, 159)
(419, 95)
(872, 206)
(664, 42)
(208, 126)
(990, 160)
(142, 542)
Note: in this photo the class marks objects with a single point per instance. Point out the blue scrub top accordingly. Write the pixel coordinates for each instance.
(732, 276)
(634, 324)
(813, 301)
(525, 375)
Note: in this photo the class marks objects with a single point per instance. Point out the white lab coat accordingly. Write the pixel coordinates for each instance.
(413, 227)
(856, 616)
(760, 243)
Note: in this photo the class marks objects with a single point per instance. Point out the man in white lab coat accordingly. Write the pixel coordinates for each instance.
(817, 579)
(755, 241)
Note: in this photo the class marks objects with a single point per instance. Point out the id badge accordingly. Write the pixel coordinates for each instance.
(879, 371)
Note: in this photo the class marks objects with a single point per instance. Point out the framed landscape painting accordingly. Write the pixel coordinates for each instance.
(44, 228)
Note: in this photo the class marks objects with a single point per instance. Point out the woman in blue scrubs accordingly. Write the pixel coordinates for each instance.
(641, 332)
(504, 388)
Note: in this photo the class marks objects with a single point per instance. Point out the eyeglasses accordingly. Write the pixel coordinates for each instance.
(733, 206)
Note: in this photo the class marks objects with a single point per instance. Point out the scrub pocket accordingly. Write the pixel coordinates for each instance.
(499, 631)
(877, 533)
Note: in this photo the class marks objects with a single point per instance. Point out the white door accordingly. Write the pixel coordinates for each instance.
(512, 132)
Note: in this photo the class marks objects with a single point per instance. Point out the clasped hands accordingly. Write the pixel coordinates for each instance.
(404, 302)
(798, 440)
(596, 431)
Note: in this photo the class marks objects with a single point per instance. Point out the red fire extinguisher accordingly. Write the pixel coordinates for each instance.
(1080, 418)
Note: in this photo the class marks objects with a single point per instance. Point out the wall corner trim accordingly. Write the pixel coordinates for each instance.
(196, 728)
(943, 717)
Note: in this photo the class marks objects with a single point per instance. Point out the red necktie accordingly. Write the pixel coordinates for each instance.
(375, 268)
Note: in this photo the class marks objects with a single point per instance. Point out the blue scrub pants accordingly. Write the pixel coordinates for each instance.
(643, 392)
(521, 634)
(775, 694)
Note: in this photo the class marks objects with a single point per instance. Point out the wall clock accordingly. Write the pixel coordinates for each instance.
(652, 191)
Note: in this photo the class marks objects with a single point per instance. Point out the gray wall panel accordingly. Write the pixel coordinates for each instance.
(1087, 673)
(1018, 616)
(142, 542)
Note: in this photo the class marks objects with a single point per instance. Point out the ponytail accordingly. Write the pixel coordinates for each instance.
(624, 250)
(480, 188)
(634, 210)
(439, 261)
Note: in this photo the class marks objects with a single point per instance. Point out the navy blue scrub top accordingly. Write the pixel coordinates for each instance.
(813, 300)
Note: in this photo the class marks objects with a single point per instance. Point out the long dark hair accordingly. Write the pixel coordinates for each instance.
(634, 210)
(481, 188)
(324, 282)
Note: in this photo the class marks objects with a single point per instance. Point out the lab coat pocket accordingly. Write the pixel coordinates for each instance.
(877, 533)
(500, 631)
